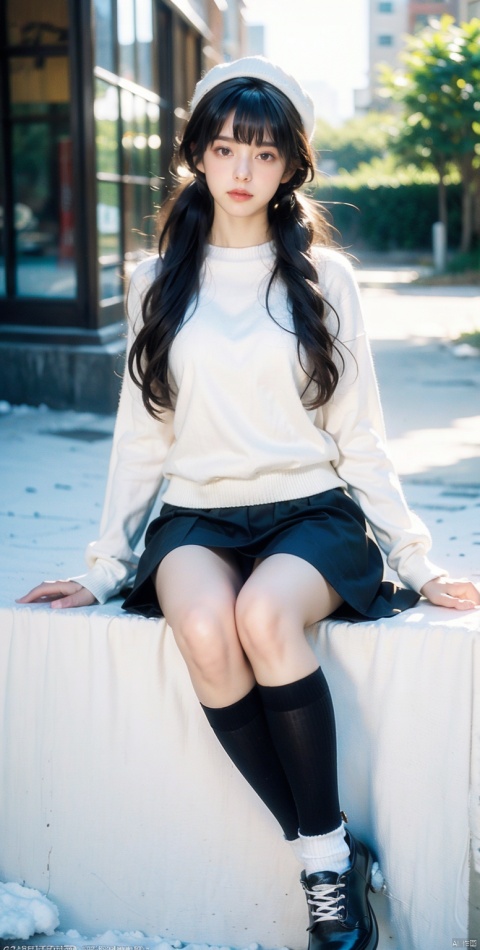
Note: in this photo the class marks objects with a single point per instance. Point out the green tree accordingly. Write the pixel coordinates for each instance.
(439, 90)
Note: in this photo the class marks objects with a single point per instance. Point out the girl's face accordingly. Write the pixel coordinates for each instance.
(242, 178)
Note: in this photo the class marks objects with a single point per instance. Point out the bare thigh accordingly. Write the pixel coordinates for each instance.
(298, 584)
(284, 595)
(197, 588)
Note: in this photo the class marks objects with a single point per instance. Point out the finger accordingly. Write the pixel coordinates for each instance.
(48, 590)
(458, 603)
(466, 605)
(472, 593)
(467, 593)
(35, 592)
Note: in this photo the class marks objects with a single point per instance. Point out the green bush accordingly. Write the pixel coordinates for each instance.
(467, 261)
(388, 216)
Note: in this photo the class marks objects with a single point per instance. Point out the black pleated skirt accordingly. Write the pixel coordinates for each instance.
(328, 530)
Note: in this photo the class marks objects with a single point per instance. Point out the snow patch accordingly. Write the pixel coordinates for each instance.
(113, 939)
(463, 350)
(25, 911)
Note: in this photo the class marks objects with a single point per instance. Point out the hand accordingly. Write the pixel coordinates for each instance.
(59, 594)
(461, 595)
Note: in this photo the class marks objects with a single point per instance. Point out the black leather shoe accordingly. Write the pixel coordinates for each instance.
(339, 910)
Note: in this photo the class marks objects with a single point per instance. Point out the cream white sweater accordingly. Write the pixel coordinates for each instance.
(239, 433)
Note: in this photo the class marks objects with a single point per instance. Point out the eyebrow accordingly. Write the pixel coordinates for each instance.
(230, 138)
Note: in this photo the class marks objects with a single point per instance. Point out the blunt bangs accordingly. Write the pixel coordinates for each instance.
(254, 120)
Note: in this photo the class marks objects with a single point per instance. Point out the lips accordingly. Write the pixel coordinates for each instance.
(239, 195)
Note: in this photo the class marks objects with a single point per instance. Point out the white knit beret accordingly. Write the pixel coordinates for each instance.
(257, 67)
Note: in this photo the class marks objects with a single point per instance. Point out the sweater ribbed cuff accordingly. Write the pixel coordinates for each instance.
(99, 584)
(418, 571)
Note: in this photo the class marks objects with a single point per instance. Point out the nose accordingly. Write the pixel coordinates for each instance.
(242, 171)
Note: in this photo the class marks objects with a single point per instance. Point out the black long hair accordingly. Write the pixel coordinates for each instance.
(260, 113)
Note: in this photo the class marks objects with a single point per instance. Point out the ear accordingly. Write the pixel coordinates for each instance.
(287, 175)
(200, 167)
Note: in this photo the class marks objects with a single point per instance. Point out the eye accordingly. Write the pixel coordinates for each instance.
(267, 156)
(223, 151)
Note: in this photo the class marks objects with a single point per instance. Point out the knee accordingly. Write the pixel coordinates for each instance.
(204, 636)
(261, 623)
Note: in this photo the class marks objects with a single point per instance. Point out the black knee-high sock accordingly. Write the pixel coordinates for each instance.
(243, 732)
(302, 725)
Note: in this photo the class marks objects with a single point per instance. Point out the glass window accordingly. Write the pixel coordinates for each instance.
(140, 135)
(42, 189)
(108, 220)
(39, 85)
(191, 62)
(30, 23)
(3, 288)
(186, 52)
(140, 150)
(128, 131)
(126, 38)
(385, 40)
(135, 41)
(144, 41)
(104, 34)
(109, 239)
(385, 7)
(111, 283)
(140, 220)
(164, 27)
(106, 112)
(154, 139)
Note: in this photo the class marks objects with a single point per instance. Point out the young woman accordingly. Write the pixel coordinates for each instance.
(250, 392)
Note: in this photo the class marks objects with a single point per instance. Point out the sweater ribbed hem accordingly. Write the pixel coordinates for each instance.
(262, 490)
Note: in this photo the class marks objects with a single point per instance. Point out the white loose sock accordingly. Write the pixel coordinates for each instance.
(297, 848)
(328, 852)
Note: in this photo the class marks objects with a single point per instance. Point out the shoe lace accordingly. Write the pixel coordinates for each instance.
(324, 900)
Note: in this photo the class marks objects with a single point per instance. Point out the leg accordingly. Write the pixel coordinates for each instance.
(283, 595)
(197, 588)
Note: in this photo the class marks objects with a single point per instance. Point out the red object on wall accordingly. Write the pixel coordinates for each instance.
(67, 236)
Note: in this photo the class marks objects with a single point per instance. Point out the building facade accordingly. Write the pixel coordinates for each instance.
(469, 9)
(421, 11)
(389, 21)
(92, 93)
(387, 26)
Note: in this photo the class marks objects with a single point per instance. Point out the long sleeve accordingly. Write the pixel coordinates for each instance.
(354, 419)
(140, 444)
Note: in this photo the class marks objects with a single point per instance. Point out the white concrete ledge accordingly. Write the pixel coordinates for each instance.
(118, 803)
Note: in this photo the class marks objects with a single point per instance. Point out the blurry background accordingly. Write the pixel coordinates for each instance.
(92, 93)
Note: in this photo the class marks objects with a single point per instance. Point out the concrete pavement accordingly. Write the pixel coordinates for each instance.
(431, 401)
